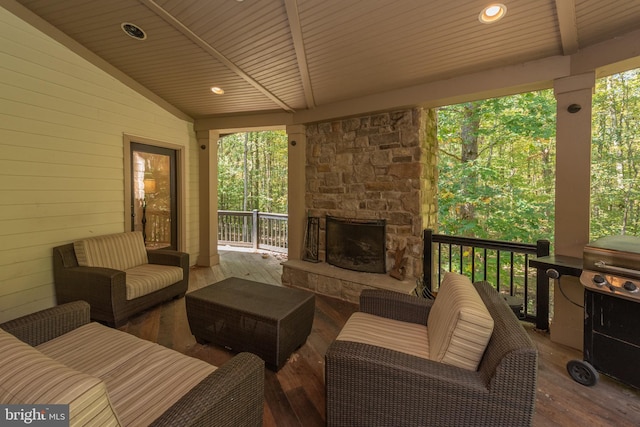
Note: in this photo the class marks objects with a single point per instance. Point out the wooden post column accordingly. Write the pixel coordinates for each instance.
(297, 188)
(208, 163)
(573, 195)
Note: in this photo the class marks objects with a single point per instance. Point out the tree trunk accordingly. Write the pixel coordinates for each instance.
(469, 136)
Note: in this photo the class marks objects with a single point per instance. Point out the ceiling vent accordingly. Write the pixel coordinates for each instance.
(133, 30)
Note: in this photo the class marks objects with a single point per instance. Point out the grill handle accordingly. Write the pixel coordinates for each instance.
(603, 265)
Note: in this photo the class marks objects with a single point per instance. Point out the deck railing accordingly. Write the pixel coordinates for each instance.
(258, 230)
(504, 264)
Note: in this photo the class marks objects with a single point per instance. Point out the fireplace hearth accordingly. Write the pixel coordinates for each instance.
(355, 244)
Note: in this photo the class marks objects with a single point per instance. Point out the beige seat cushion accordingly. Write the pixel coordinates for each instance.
(143, 378)
(409, 338)
(120, 251)
(28, 376)
(151, 382)
(459, 324)
(147, 278)
(96, 349)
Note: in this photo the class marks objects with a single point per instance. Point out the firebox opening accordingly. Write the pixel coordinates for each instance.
(356, 244)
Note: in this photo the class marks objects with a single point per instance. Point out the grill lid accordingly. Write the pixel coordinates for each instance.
(612, 265)
(618, 255)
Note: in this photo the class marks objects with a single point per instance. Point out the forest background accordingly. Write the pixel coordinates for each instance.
(252, 172)
(496, 165)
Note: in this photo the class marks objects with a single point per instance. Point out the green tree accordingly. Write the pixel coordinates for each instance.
(507, 179)
(615, 156)
(501, 184)
(252, 171)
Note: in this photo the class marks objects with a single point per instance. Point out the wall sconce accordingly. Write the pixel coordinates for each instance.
(149, 186)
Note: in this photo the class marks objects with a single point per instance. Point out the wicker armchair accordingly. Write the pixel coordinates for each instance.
(105, 289)
(373, 386)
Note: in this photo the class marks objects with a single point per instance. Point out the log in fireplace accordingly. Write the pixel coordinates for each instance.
(356, 244)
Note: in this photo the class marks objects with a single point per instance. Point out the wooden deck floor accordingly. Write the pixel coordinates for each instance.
(295, 395)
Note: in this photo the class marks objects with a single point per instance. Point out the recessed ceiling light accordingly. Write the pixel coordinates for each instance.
(133, 30)
(217, 90)
(492, 13)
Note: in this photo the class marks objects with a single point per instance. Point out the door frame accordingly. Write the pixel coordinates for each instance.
(180, 182)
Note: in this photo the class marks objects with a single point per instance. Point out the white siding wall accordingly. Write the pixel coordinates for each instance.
(62, 122)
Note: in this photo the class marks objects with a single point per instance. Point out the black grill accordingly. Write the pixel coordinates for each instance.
(611, 277)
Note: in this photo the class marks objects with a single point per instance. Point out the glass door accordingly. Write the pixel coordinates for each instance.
(153, 195)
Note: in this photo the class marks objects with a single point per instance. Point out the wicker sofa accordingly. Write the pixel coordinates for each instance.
(369, 385)
(111, 378)
(117, 276)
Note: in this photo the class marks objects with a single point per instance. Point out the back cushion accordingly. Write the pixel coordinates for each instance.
(119, 251)
(29, 377)
(459, 324)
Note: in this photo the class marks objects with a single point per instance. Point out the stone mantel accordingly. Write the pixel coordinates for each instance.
(326, 279)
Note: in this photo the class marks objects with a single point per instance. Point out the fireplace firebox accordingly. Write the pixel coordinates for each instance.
(356, 244)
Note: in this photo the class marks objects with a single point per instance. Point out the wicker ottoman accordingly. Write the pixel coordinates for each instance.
(242, 315)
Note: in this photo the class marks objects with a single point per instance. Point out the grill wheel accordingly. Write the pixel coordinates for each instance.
(582, 372)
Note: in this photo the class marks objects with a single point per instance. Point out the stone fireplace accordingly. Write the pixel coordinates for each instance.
(375, 167)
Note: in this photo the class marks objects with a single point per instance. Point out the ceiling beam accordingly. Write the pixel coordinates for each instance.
(301, 54)
(246, 122)
(170, 19)
(613, 56)
(566, 10)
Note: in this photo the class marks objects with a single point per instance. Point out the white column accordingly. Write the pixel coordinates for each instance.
(573, 193)
(208, 150)
(297, 189)
(573, 163)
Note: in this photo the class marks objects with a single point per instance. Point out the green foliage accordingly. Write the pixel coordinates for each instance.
(506, 191)
(252, 172)
(615, 156)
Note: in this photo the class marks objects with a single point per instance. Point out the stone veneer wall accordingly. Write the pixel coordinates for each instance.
(380, 166)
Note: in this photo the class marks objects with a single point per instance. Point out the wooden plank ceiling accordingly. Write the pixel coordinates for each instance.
(295, 55)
